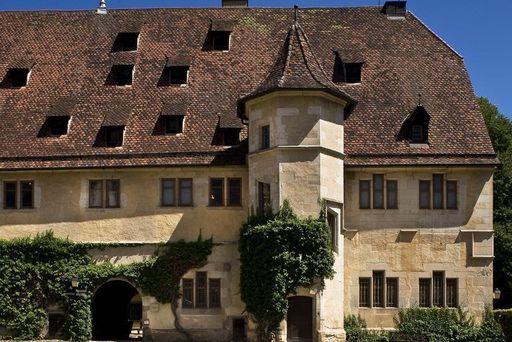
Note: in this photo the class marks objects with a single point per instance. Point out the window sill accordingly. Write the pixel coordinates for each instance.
(202, 311)
(176, 207)
(20, 210)
(378, 308)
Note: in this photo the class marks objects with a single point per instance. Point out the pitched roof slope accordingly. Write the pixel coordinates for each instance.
(72, 56)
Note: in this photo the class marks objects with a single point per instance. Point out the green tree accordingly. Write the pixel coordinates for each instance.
(500, 131)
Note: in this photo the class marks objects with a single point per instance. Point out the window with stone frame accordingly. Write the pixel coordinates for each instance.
(185, 192)
(18, 194)
(264, 200)
(378, 193)
(201, 292)
(216, 192)
(438, 193)
(378, 291)
(234, 192)
(438, 291)
(104, 193)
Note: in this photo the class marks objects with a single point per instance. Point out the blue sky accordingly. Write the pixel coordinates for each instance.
(479, 30)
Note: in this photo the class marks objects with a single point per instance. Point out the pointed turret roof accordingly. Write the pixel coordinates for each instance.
(296, 68)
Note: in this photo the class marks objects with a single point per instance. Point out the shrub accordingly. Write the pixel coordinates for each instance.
(355, 327)
(504, 317)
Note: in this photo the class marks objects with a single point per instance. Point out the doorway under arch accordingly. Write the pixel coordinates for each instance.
(116, 312)
(299, 320)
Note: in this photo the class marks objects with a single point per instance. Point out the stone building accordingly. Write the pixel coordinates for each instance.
(154, 125)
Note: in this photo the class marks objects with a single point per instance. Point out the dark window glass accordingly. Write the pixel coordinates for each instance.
(451, 194)
(364, 292)
(216, 192)
(126, 41)
(121, 75)
(364, 194)
(378, 191)
(417, 134)
(332, 222)
(114, 136)
(95, 194)
(424, 194)
(265, 137)
(201, 294)
(221, 40)
(452, 293)
(214, 293)
(178, 75)
(168, 192)
(234, 192)
(27, 194)
(438, 289)
(10, 190)
(424, 293)
(392, 292)
(188, 293)
(113, 193)
(378, 289)
(174, 124)
(392, 194)
(16, 78)
(353, 72)
(264, 204)
(231, 136)
(438, 191)
(185, 192)
(58, 125)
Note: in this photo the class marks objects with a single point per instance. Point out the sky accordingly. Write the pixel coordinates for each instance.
(481, 31)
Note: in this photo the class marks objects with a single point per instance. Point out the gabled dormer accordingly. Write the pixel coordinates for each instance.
(415, 128)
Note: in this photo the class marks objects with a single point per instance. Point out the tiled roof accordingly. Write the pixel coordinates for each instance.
(72, 56)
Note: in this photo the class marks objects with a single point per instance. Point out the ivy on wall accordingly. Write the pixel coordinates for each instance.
(33, 275)
(280, 253)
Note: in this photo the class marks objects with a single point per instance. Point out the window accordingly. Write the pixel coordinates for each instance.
(174, 124)
(424, 295)
(178, 75)
(332, 221)
(265, 137)
(438, 191)
(392, 292)
(452, 296)
(353, 72)
(230, 136)
(221, 40)
(364, 194)
(185, 192)
(187, 300)
(27, 194)
(392, 194)
(424, 194)
(10, 195)
(438, 289)
(16, 78)
(201, 294)
(168, 192)
(120, 75)
(378, 289)
(378, 191)
(104, 193)
(417, 134)
(214, 293)
(451, 194)
(264, 204)
(114, 136)
(234, 192)
(58, 125)
(216, 192)
(364, 292)
(126, 41)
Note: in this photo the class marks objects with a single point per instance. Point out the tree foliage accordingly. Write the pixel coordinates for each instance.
(280, 253)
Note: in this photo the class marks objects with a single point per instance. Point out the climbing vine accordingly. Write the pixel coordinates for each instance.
(33, 274)
(280, 253)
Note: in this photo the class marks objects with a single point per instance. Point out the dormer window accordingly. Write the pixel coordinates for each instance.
(415, 127)
(174, 124)
(417, 134)
(55, 126)
(227, 137)
(178, 75)
(120, 75)
(347, 67)
(114, 136)
(126, 41)
(219, 37)
(221, 41)
(16, 78)
(353, 72)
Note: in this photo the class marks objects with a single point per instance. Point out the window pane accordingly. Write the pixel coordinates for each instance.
(364, 292)
(332, 222)
(174, 124)
(264, 201)
(217, 192)
(201, 290)
(114, 136)
(438, 290)
(364, 194)
(10, 195)
(452, 296)
(265, 137)
(235, 192)
(168, 192)
(95, 194)
(378, 289)
(392, 292)
(27, 194)
(451, 194)
(113, 194)
(438, 191)
(214, 293)
(378, 191)
(417, 134)
(186, 198)
(392, 194)
(188, 293)
(424, 194)
(221, 40)
(424, 293)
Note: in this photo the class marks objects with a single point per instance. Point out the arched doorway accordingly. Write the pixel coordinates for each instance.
(116, 312)
(299, 321)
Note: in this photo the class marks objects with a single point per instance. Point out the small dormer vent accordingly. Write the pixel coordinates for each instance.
(395, 9)
(235, 3)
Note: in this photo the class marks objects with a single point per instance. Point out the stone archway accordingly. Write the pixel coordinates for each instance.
(299, 320)
(116, 312)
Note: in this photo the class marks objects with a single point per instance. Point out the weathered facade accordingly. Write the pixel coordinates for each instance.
(147, 126)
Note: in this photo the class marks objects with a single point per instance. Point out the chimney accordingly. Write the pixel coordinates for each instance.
(235, 3)
(102, 8)
(395, 9)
